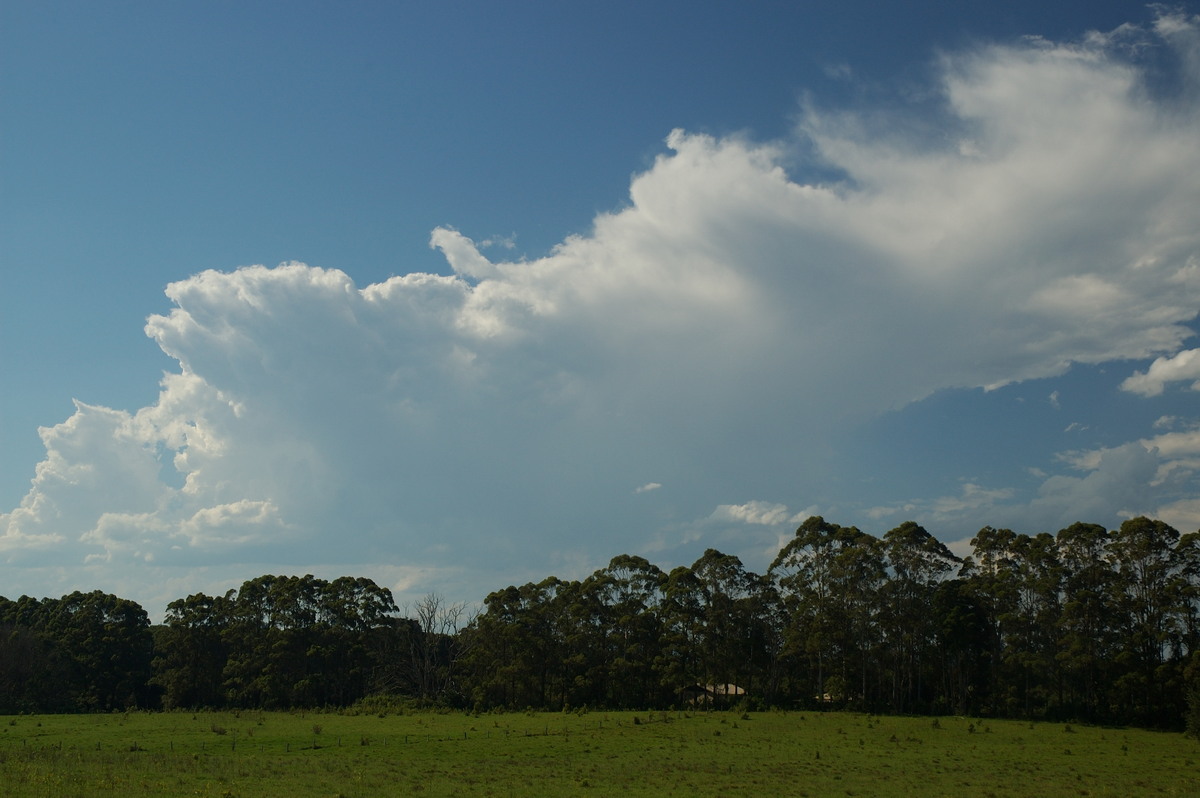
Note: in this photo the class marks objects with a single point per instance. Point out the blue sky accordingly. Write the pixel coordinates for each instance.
(575, 280)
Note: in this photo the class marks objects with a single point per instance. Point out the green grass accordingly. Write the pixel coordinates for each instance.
(593, 754)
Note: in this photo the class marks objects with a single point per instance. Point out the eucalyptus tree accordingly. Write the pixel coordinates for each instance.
(1188, 554)
(517, 657)
(1018, 581)
(278, 641)
(82, 652)
(1149, 593)
(1031, 628)
(829, 577)
(1087, 634)
(624, 601)
(964, 644)
(993, 582)
(191, 650)
(355, 627)
(109, 641)
(680, 659)
(735, 642)
(36, 673)
(919, 562)
(266, 667)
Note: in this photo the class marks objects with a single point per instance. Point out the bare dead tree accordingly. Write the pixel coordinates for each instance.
(436, 644)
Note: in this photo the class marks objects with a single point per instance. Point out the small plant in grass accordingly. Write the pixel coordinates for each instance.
(216, 729)
(316, 729)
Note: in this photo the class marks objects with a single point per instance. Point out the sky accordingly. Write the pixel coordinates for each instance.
(462, 295)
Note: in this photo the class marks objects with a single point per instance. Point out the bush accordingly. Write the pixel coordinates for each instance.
(1192, 715)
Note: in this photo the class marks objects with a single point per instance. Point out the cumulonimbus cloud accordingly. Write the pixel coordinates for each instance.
(731, 316)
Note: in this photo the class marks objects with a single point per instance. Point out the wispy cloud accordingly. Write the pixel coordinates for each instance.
(504, 242)
(760, 513)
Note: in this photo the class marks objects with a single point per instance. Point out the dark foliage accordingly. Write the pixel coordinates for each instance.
(1088, 624)
(83, 652)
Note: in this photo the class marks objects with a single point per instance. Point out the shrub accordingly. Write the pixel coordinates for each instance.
(1192, 716)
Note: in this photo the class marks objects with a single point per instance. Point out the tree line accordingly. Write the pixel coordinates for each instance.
(1087, 624)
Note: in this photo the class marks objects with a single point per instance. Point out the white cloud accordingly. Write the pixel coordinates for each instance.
(1173, 445)
(754, 531)
(760, 513)
(1116, 485)
(973, 500)
(649, 486)
(1183, 366)
(731, 317)
(1154, 476)
(1184, 514)
(905, 511)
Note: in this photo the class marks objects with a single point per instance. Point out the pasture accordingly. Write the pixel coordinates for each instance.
(246, 754)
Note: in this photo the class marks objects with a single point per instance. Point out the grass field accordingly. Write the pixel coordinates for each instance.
(595, 754)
